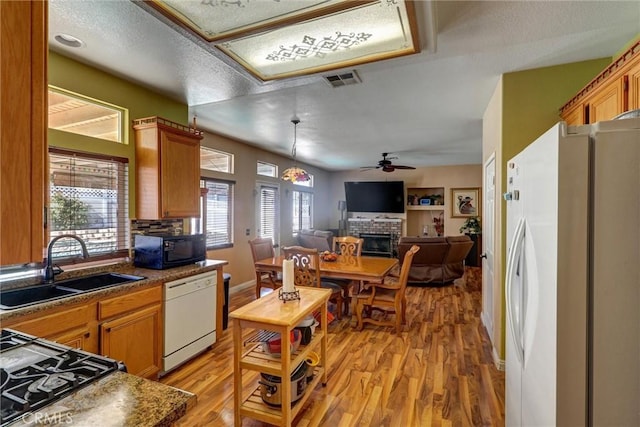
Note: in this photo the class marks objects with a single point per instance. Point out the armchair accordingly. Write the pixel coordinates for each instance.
(388, 297)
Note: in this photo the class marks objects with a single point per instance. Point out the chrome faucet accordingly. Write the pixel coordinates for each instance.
(49, 274)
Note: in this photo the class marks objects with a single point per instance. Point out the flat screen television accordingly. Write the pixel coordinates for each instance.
(375, 196)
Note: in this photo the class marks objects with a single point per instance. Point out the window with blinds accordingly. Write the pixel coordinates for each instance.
(218, 212)
(89, 197)
(302, 210)
(268, 212)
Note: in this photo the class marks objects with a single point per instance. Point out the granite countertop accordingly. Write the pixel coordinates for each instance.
(153, 277)
(117, 400)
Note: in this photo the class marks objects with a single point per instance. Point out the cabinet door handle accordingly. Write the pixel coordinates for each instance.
(87, 335)
(483, 256)
(108, 329)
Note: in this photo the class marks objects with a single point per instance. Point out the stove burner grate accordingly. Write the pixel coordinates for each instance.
(28, 388)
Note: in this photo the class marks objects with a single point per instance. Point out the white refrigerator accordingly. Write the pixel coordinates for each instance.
(573, 278)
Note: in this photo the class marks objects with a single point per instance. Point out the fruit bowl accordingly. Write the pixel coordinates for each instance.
(329, 256)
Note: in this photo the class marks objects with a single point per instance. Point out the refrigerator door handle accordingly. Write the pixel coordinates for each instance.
(512, 263)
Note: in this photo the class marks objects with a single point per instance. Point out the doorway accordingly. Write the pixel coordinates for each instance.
(488, 236)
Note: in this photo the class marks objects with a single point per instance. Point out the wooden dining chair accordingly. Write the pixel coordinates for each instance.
(307, 273)
(348, 246)
(261, 248)
(387, 297)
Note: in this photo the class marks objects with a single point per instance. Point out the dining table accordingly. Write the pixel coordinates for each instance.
(358, 268)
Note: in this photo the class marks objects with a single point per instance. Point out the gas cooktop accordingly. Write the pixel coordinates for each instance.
(35, 372)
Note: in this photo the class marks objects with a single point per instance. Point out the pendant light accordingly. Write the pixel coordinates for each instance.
(294, 173)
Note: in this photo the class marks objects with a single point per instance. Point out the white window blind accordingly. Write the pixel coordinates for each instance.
(218, 223)
(89, 197)
(302, 210)
(268, 212)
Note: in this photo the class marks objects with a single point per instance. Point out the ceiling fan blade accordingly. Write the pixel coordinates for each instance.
(403, 167)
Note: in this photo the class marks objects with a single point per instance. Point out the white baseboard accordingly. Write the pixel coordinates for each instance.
(499, 363)
(242, 286)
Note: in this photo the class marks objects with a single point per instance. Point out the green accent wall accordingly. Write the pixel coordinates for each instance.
(531, 101)
(65, 73)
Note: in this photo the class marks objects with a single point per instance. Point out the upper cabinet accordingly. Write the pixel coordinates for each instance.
(612, 92)
(634, 86)
(167, 169)
(23, 144)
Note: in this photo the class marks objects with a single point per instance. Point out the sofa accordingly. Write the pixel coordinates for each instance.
(440, 259)
(316, 239)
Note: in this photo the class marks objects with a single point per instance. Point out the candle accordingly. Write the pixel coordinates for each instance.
(287, 275)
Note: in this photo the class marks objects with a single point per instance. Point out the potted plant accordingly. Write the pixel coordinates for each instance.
(471, 226)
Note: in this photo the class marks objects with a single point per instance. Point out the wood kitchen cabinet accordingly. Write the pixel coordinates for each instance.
(73, 326)
(131, 330)
(167, 169)
(133, 339)
(612, 92)
(608, 101)
(634, 86)
(23, 144)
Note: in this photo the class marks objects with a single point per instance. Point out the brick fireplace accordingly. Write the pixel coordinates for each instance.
(381, 235)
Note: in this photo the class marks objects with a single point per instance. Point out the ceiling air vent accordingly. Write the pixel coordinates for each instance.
(343, 79)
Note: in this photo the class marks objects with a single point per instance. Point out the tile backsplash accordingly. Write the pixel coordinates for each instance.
(155, 227)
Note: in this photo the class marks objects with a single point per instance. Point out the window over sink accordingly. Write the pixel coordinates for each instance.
(89, 197)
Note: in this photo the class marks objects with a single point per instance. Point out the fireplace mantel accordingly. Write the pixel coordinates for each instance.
(398, 220)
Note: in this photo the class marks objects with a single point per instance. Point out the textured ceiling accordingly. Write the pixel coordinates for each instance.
(426, 108)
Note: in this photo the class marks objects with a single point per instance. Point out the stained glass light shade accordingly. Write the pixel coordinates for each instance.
(295, 174)
(281, 39)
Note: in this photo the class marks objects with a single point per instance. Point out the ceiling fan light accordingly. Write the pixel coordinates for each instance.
(295, 174)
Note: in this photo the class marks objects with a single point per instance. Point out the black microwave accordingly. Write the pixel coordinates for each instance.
(160, 252)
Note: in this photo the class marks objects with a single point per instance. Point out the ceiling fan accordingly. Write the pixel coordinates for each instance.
(386, 165)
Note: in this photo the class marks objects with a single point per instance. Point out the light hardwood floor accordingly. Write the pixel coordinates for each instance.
(439, 372)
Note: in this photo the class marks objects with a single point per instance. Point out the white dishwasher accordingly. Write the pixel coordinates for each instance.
(189, 317)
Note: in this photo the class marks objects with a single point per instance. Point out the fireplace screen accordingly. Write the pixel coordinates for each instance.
(376, 244)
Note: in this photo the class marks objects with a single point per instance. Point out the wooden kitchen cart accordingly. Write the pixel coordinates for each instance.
(271, 314)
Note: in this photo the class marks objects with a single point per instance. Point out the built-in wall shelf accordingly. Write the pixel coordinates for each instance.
(424, 204)
(425, 208)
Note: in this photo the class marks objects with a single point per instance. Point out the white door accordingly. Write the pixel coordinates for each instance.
(488, 227)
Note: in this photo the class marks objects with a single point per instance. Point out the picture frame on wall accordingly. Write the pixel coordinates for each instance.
(465, 202)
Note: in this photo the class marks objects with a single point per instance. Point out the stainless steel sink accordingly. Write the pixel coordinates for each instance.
(26, 296)
(97, 281)
(36, 294)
